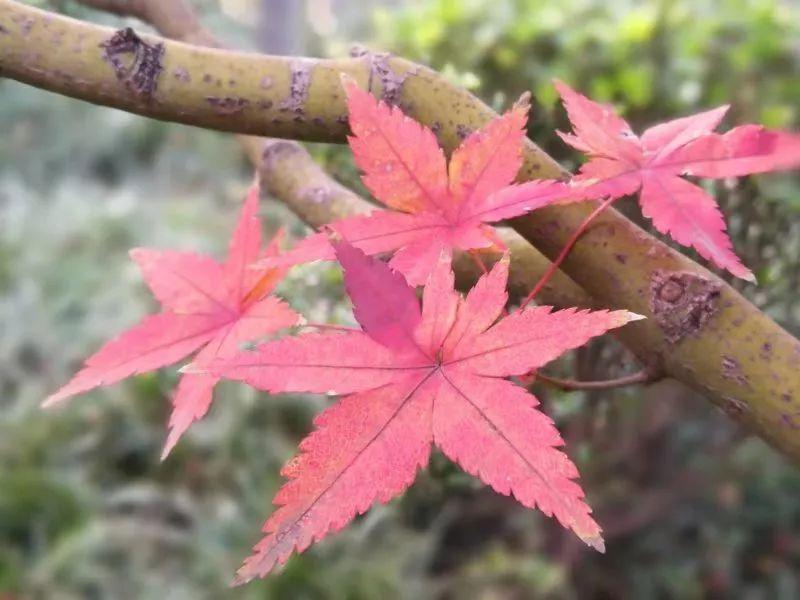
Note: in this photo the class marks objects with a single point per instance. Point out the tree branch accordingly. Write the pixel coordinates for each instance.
(290, 174)
(700, 330)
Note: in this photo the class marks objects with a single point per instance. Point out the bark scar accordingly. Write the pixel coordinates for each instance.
(273, 150)
(682, 302)
(734, 408)
(463, 132)
(380, 69)
(135, 62)
(298, 89)
(227, 105)
(733, 371)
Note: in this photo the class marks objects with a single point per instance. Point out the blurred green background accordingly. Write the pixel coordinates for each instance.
(692, 507)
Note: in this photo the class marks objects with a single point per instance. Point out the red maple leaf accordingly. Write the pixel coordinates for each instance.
(434, 207)
(622, 163)
(411, 378)
(208, 305)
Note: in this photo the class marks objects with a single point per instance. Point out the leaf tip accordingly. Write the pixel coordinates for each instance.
(632, 316)
(172, 440)
(347, 80)
(239, 580)
(749, 276)
(523, 103)
(596, 542)
(561, 87)
(49, 402)
(193, 369)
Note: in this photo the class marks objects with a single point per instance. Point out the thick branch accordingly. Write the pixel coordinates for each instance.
(701, 331)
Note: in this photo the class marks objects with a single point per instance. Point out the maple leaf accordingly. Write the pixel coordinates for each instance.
(210, 306)
(413, 378)
(621, 163)
(433, 207)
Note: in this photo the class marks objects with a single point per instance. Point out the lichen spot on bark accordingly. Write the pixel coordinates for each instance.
(682, 302)
(136, 63)
(300, 81)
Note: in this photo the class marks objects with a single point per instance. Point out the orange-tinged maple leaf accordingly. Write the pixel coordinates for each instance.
(208, 306)
(433, 208)
(412, 378)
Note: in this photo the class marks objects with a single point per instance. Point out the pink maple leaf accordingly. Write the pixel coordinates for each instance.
(621, 163)
(412, 378)
(433, 207)
(208, 306)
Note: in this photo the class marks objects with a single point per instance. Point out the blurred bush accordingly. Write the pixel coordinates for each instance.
(692, 508)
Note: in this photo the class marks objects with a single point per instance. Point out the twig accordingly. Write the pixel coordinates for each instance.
(643, 376)
(476, 258)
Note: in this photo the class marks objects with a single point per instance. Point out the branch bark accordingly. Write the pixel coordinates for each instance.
(700, 330)
(291, 175)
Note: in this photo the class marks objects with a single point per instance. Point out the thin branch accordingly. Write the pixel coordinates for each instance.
(701, 331)
(641, 377)
(478, 262)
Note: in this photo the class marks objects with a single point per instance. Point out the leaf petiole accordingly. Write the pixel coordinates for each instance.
(565, 251)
